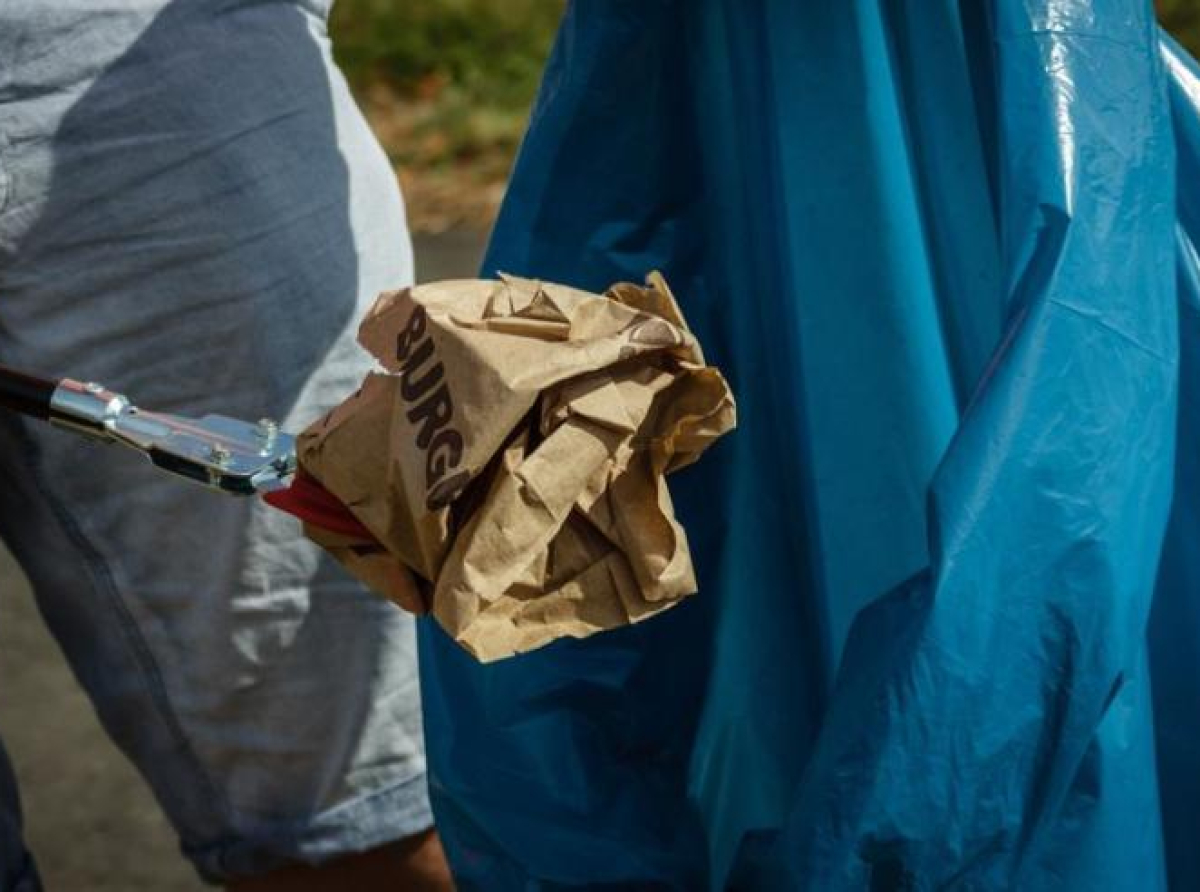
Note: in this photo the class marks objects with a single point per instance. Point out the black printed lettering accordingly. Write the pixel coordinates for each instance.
(447, 491)
(423, 387)
(432, 415)
(414, 387)
(414, 331)
(445, 452)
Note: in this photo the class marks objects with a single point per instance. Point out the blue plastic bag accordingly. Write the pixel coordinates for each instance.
(936, 247)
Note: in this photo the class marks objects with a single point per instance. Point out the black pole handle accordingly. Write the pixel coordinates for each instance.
(26, 394)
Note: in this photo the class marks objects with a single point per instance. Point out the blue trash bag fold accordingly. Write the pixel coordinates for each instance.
(945, 636)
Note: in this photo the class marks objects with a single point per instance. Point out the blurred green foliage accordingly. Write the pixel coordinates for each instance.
(447, 86)
(447, 83)
(1182, 19)
(490, 51)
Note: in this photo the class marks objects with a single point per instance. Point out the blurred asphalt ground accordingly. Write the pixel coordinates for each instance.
(89, 818)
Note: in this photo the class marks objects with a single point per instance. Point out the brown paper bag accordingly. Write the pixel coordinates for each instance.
(511, 461)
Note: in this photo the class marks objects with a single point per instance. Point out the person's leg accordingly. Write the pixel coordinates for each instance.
(196, 214)
(17, 871)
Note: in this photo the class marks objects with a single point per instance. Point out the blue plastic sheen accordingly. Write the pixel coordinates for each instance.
(937, 249)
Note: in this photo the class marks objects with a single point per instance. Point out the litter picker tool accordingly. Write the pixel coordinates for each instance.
(226, 454)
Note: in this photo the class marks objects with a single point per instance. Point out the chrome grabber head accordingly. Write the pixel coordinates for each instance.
(222, 453)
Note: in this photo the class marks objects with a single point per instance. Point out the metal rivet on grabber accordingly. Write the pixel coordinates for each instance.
(219, 455)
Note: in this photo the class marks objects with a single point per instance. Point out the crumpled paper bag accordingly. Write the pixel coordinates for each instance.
(510, 463)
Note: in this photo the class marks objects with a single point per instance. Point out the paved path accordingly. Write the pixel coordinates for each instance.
(89, 818)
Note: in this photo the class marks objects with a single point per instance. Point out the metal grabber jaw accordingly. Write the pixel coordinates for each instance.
(226, 454)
